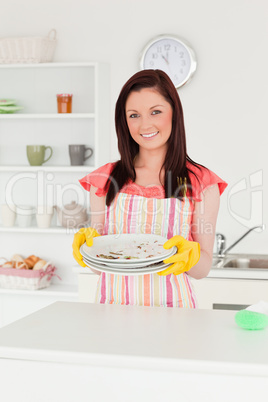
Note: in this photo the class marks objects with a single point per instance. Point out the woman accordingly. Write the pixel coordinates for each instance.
(154, 188)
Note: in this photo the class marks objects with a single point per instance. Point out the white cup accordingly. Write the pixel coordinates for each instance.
(25, 215)
(45, 209)
(44, 216)
(8, 213)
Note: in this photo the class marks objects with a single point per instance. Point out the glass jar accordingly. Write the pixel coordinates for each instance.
(64, 103)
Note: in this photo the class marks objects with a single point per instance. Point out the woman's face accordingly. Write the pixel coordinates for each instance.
(149, 118)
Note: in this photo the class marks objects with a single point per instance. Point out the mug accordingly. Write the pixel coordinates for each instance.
(77, 154)
(36, 154)
(44, 216)
(8, 214)
(25, 215)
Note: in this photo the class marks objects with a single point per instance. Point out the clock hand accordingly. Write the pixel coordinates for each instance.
(166, 60)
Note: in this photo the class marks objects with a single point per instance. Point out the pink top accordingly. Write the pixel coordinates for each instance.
(99, 177)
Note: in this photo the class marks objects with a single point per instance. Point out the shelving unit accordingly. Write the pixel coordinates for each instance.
(34, 229)
(63, 169)
(34, 86)
(47, 116)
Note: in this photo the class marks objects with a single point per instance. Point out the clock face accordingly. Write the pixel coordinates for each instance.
(173, 56)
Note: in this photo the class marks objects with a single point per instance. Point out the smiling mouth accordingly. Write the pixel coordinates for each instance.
(150, 135)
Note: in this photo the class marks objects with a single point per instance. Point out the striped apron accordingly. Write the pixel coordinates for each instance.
(164, 217)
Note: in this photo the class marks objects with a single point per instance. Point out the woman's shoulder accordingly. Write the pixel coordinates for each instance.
(98, 179)
(201, 178)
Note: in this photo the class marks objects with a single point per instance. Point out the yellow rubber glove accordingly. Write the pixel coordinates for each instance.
(187, 256)
(83, 235)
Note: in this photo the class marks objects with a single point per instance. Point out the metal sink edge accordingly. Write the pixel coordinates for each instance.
(239, 261)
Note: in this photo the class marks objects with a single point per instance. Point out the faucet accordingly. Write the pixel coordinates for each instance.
(221, 241)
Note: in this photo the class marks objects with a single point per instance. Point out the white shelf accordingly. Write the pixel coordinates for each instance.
(53, 290)
(60, 116)
(50, 65)
(66, 169)
(34, 229)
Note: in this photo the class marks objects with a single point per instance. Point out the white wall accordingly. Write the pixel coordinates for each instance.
(224, 104)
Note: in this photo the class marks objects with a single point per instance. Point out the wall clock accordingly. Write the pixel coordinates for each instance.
(171, 54)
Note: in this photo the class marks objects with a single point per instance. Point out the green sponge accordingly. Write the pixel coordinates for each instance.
(251, 320)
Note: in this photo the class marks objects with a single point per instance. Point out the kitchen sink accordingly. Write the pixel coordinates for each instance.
(241, 261)
(256, 263)
(217, 262)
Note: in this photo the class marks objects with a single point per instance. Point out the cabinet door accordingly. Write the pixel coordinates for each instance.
(234, 294)
(87, 284)
(15, 307)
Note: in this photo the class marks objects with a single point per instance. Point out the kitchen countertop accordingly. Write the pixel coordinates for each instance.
(140, 350)
(78, 333)
(224, 273)
(238, 273)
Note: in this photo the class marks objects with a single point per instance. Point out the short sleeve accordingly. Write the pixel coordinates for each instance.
(98, 179)
(202, 178)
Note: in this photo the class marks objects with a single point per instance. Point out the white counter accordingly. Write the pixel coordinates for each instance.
(151, 351)
(224, 273)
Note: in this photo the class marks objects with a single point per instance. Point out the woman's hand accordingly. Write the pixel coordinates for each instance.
(187, 256)
(84, 235)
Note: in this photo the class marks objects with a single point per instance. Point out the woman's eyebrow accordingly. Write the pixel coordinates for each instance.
(156, 106)
(152, 107)
(131, 110)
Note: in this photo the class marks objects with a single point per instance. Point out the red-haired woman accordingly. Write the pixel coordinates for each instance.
(154, 188)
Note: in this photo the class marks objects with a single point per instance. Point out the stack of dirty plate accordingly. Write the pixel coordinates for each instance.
(127, 254)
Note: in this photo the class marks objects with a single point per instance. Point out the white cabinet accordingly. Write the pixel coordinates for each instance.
(15, 304)
(212, 293)
(226, 293)
(34, 86)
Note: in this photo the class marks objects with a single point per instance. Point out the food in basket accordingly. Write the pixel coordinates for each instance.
(29, 279)
(20, 265)
(40, 264)
(31, 261)
(8, 264)
(18, 262)
(17, 257)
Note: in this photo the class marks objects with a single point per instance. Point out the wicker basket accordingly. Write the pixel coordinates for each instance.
(29, 49)
(27, 279)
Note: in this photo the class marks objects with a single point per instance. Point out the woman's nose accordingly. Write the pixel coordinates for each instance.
(146, 122)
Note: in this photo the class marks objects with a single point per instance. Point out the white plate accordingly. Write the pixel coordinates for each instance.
(141, 271)
(139, 247)
(123, 267)
(113, 265)
(124, 263)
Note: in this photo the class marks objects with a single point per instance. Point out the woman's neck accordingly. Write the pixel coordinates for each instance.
(148, 166)
(151, 160)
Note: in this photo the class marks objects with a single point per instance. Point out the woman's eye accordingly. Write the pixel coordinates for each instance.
(133, 115)
(156, 112)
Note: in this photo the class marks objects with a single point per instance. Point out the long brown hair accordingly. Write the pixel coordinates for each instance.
(176, 172)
